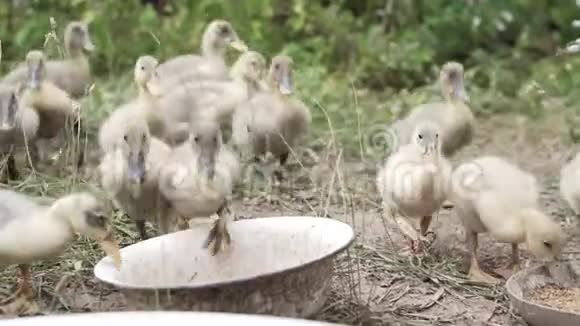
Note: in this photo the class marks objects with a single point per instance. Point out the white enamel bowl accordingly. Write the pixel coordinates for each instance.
(279, 266)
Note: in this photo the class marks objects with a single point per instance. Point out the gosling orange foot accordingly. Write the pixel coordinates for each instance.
(21, 306)
(218, 238)
(477, 275)
(415, 248)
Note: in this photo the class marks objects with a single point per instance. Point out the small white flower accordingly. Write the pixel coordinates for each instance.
(500, 25)
(477, 21)
(507, 16)
(576, 23)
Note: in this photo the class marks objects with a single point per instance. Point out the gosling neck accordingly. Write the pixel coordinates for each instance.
(210, 46)
(80, 60)
(427, 187)
(60, 211)
(144, 94)
(254, 86)
(246, 82)
(74, 52)
(454, 99)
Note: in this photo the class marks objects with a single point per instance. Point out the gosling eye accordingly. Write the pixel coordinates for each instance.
(96, 220)
(126, 138)
(215, 139)
(420, 136)
(436, 136)
(548, 245)
(277, 66)
(144, 137)
(224, 30)
(143, 68)
(196, 139)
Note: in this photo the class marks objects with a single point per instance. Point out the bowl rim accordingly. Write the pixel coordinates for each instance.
(225, 316)
(100, 267)
(511, 283)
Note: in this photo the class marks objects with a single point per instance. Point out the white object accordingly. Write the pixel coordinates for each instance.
(159, 318)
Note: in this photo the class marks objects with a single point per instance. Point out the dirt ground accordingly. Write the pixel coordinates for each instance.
(374, 285)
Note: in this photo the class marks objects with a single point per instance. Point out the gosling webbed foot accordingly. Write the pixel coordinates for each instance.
(477, 275)
(218, 237)
(516, 268)
(182, 223)
(414, 248)
(21, 306)
(421, 246)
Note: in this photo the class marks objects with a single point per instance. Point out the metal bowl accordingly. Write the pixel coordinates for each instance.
(279, 266)
(523, 283)
(159, 318)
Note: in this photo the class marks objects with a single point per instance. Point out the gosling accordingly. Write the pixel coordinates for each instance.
(199, 178)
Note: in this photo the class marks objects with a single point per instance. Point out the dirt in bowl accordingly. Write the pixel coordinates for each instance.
(567, 299)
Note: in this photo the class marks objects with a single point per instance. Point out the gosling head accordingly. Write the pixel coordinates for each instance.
(206, 140)
(281, 74)
(249, 66)
(543, 235)
(451, 78)
(35, 63)
(77, 37)
(218, 35)
(135, 147)
(89, 216)
(426, 138)
(146, 76)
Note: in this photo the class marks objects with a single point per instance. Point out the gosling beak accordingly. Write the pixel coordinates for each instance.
(34, 77)
(285, 86)
(88, 45)
(435, 146)
(9, 115)
(111, 248)
(207, 160)
(136, 169)
(238, 44)
(460, 93)
(154, 85)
